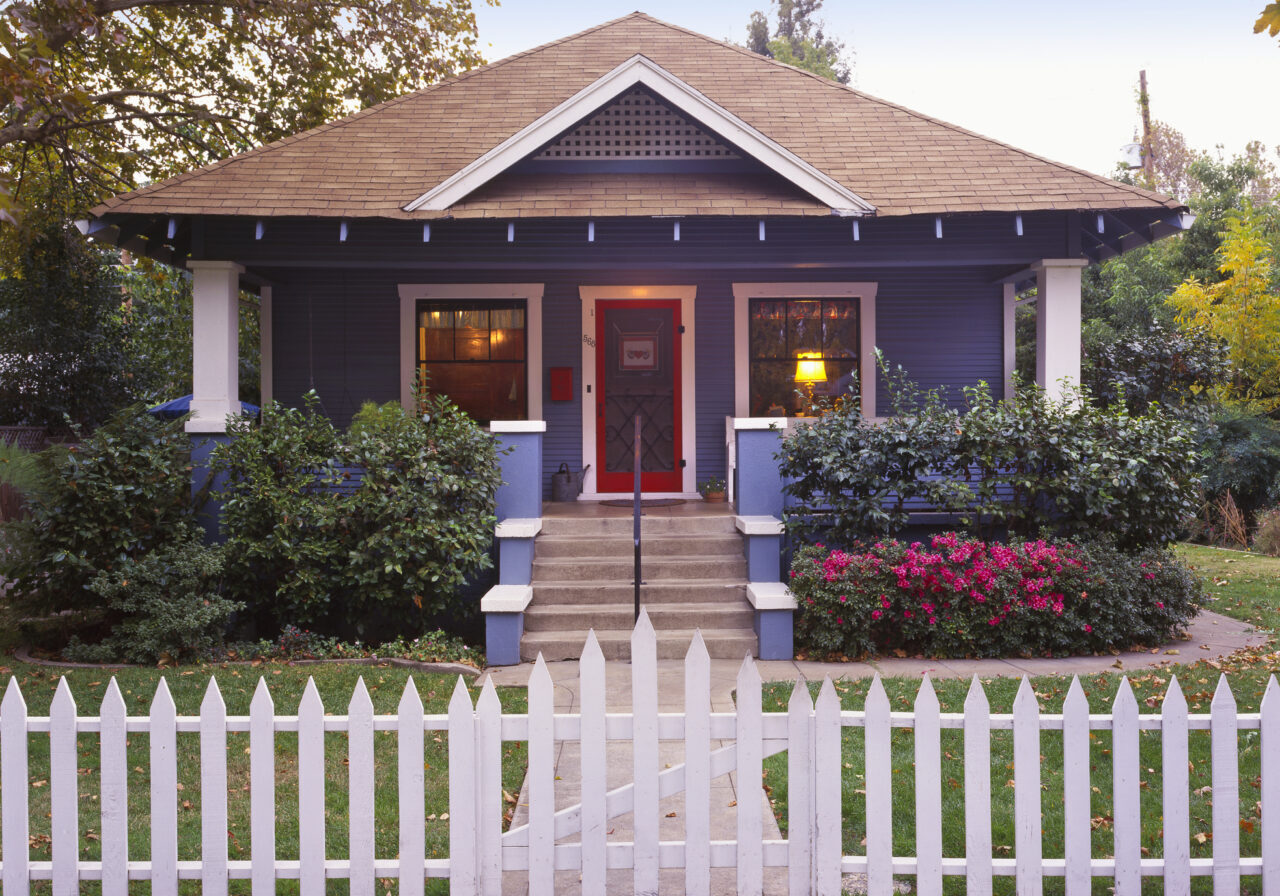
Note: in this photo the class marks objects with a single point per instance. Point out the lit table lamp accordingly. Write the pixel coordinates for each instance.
(810, 369)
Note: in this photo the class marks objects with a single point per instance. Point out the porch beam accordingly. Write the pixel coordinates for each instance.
(215, 323)
(1058, 324)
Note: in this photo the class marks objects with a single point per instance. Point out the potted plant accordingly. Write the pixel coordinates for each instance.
(712, 490)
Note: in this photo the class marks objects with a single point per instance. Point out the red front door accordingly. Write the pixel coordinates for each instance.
(638, 372)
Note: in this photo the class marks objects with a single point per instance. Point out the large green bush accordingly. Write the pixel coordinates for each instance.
(1241, 454)
(957, 597)
(341, 532)
(118, 495)
(1018, 465)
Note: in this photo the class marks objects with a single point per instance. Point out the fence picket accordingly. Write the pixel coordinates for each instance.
(64, 797)
(14, 795)
(489, 789)
(697, 768)
(1270, 794)
(1177, 820)
(1127, 806)
(977, 791)
(114, 793)
(1226, 791)
(411, 784)
(541, 781)
(928, 751)
(213, 792)
(462, 789)
(645, 765)
(1026, 791)
(311, 823)
(750, 792)
(164, 793)
(360, 790)
(1076, 831)
(879, 785)
(828, 823)
(800, 789)
(591, 741)
(262, 790)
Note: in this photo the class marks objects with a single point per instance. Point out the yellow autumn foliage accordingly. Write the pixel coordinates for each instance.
(1242, 310)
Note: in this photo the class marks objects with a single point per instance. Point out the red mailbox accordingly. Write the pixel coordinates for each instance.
(561, 383)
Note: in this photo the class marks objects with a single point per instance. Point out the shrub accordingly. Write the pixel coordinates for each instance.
(1240, 453)
(959, 597)
(1267, 539)
(340, 533)
(1022, 465)
(166, 604)
(1153, 364)
(122, 493)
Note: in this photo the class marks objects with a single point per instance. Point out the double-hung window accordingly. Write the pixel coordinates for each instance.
(801, 350)
(476, 353)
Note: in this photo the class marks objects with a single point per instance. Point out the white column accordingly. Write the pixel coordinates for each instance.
(1010, 337)
(1058, 323)
(215, 324)
(265, 377)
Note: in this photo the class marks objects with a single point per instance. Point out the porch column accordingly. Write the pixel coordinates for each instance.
(215, 349)
(266, 377)
(1010, 337)
(1058, 323)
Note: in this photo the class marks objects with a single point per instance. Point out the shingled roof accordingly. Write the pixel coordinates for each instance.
(381, 160)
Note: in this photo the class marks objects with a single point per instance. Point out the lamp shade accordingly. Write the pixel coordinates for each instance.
(811, 370)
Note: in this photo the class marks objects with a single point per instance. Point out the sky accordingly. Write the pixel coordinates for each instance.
(1057, 79)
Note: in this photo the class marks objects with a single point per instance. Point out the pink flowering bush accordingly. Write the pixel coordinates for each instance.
(957, 596)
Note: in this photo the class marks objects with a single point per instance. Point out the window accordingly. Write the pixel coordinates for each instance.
(475, 352)
(802, 336)
(806, 346)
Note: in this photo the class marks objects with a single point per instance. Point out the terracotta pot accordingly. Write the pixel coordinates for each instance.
(714, 497)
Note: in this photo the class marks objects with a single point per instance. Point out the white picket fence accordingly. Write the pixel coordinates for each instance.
(480, 851)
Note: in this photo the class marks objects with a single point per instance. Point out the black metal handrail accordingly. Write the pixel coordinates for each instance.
(635, 476)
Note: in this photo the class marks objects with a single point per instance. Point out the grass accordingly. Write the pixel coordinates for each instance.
(187, 684)
(1240, 584)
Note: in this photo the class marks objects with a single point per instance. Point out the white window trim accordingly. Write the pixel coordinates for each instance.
(639, 70)
(688, 386)
(531, 293)
(743, 293)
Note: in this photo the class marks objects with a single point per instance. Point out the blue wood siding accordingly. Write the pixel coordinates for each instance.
(338, 332)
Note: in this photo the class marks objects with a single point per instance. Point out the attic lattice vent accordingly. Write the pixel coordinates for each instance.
(637, 126)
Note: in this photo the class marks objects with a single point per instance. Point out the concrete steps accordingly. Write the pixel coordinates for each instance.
(694, 576)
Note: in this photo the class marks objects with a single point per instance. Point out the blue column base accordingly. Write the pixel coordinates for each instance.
(515, 561)
(502, 634)
(209, 515)
(774, 634)
(764, 558)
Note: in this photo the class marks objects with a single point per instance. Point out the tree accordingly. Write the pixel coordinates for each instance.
(111, 92)
(61, 335)
(800, 40)
(1269, 20)
(1243, 310)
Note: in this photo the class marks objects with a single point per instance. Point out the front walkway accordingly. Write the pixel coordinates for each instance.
(1212, 637)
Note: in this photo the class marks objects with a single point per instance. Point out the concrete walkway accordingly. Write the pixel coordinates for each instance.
(1212, 637)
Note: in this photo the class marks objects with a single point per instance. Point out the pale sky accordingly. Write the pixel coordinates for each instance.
(1057, 79)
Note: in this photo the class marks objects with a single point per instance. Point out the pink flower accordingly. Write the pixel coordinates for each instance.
(1159, 605)
(839, 621)
(843, 599)
(1088, 627)
(1148, 575)
(876, 614)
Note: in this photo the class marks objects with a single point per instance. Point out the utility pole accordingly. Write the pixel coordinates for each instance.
(1148, 152)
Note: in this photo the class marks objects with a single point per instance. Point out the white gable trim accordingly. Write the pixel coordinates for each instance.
(639, 70)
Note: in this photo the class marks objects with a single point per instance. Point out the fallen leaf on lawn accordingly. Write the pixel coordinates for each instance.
(671, 815)
(1202, 837)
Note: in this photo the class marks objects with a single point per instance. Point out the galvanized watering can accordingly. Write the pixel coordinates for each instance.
(567, 485)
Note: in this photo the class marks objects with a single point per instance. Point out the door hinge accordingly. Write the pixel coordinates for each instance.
(681, 330)
(683, 463)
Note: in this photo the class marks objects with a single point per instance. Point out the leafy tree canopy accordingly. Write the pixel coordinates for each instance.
(800, 39)
(1242, 310)
(114, 92)
(1269, 20)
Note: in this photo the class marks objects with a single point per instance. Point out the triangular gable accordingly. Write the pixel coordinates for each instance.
(728, 129)
(637, 126)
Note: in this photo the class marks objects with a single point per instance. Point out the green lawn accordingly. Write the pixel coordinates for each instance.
(1240, 584)
(237, 683)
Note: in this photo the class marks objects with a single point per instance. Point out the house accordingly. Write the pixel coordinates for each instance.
(636, 219)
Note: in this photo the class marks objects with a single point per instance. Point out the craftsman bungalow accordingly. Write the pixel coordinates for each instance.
(634, 219)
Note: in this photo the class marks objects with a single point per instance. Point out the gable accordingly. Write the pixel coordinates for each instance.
(639, 71)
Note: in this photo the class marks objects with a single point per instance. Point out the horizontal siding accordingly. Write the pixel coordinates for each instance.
(337, 332)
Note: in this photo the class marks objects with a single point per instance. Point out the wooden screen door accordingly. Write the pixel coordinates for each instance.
(638, 372)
